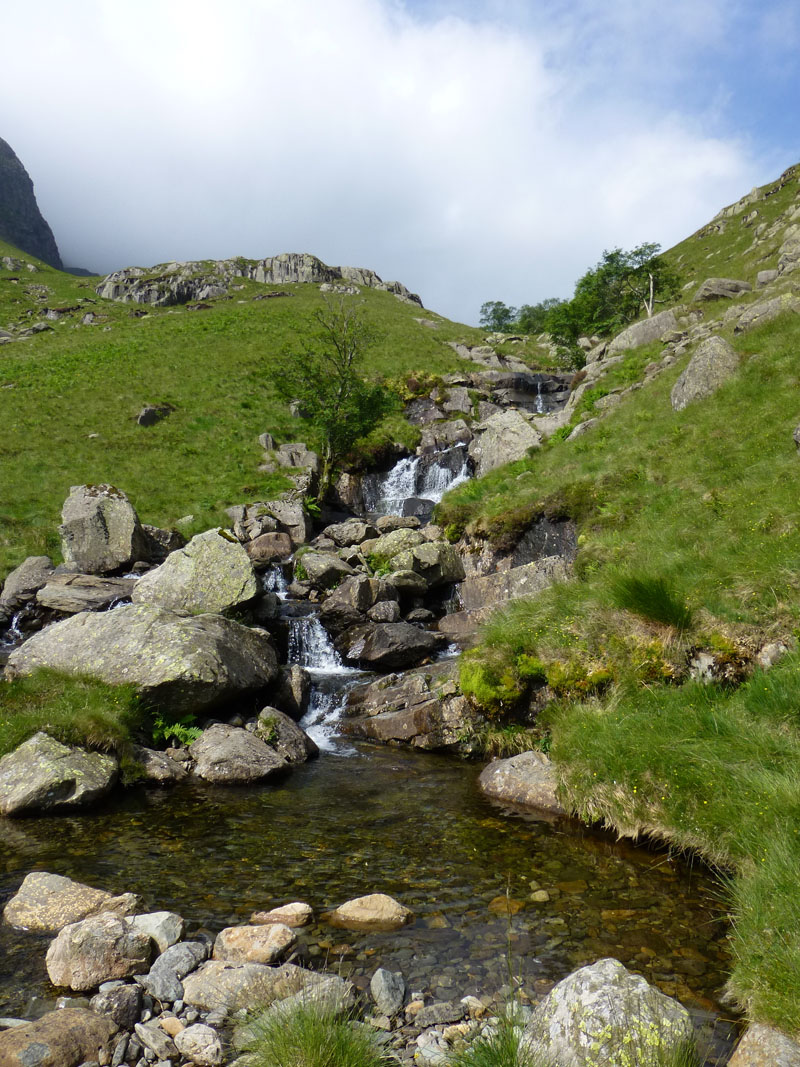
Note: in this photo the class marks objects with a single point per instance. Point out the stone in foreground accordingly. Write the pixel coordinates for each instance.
(187, 664)
(601, 1013)
(527, 779)
(44, 775)
(254, 944)
(65, 1038)
(388, 989)
(200, 1044)
(761, 1046)
(46, 903)
(98, 949)
(376, 911)
(228, 987)
(232, 756)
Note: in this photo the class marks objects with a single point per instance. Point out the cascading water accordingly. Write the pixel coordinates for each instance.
(274, 581)
(426, 477)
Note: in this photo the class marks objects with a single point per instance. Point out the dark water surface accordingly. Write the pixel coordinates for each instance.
(388, 820)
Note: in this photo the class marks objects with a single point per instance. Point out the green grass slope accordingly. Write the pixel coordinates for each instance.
(69, 396)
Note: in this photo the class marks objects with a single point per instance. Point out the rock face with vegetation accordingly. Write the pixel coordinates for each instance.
(21, 221)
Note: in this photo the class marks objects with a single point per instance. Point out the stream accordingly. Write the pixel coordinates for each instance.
(365, 818)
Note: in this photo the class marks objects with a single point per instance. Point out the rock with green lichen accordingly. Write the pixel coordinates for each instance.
(44, 775)
(604, 1014)
(100, 530)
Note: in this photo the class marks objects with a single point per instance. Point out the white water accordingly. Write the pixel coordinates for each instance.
(539, 399)
(386, 494)
(274, 581)
(311, 647)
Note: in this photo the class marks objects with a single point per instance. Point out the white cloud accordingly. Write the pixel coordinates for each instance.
(471, 158)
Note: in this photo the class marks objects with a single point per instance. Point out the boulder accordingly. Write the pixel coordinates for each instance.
(322, 570)
(122, 1003)
(714, 362)
(44, 775)
(292, 691)
(766, 310)
(186, 664)
(200, 1044)
(254, 944)
(601, 1013)
(293, 915)
(100, 530)
(351, 600)
(292, 518)
(71, 593)
(483, 592)
(351, 532)
(789, 252)
(229, 987)
(392, 543)
(376, 911)
(282, 734)
(642, 333)
(64, 1038)
(384, 611)
(721, 289)
(153, 413)
(762, 1046)
(95, 950)
(387, 646)
(161, 542)
(527, 779)
(438, 562)
(164, 928)
(231, 756)
(157, 767)
(439, 436)
(164, 981)
(387, 523)
(24, 582)
(388, 989)
(766, 277)
(269, 548)
(212, 574)
(46, 903)
(506, 437)
(407, 583)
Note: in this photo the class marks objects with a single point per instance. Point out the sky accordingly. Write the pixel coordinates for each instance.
(474, 150)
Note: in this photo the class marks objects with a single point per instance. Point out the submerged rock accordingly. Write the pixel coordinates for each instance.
(44, 775)
(376, 911)
(187, 664)
(46, 903)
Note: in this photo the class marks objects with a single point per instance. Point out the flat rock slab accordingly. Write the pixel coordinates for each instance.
(254, 944)
(762, 1046)
(71, 593)
(295, 914)
(527, 779)
(232, 756)
(187, 664)
(376, 911)
(65, 1038)
(480, 593)
(46, 903)
(44, 775)
(98, 949)
(229, 987)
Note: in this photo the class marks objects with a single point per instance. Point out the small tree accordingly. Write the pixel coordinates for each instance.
(497, 316)
(324, 380)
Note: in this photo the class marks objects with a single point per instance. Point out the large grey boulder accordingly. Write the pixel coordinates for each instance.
(322, 569)
(642, 333)
(65, 1038)
(350, 532)
(24, 582)
(71, 593)
(387, 646)
(714, 362)
(213, 573)
(527, 779)
(762, 1046)
(100, 530)
(187, 664)
(231, 756)
(506, 437)
(292, 518)
(721, 289)
(601, 1013)
(350, 601)
(766, 310)
(44, 775)
(46, 903)
(277, 730)
(98, 949)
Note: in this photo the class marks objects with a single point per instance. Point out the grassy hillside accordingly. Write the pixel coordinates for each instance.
(69, 396)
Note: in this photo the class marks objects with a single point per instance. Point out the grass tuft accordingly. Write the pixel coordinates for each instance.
(651, 599)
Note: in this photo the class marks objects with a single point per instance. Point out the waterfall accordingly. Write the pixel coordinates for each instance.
(451, 468)
(426, 477)
(540, 408)
(311, 647)
(274, 581)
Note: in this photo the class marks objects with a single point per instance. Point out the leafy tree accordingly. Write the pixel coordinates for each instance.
(497, 316)
(324, 380)
(533, 318)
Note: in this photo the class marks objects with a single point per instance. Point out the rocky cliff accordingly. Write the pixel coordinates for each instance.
(21, 221)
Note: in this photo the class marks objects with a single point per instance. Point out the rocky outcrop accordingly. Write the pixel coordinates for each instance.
(231, 756)
(21, 221)
(98, 949)
(65, 1038)
(766, 310)
(186, 664)
(213, 573)
(603, 1012)
(44, 775)
(46, 903)
(504, 438)
(714, 362)
(484, 592)
(642, 333)
(100, 530)
(527, 780)
(721, 289)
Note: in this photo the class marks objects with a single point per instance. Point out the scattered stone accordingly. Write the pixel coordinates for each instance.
(97, 949)
(154, 1038)
(123, 1004)
(440, 1013)
(165, 928)
(294, 915)
(24, 582)
(46, 903)
(200, 1044)
(231, 756)
(44, 775)
(721, 289)
(376, 911)
(765, 277)
(714, 362)
(153, 413)
(100, 530)
(65, 1038)
(165, 978)
(527, 779)
(254, 944)
(157, 767)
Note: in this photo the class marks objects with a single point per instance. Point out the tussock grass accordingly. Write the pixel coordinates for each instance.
(73, 710)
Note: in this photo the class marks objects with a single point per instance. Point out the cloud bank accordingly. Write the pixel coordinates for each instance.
(474, 151)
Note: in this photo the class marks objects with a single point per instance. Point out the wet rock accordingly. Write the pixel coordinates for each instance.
(292, 691)
(254, 944)
(46, 903)
(506, 437)
(601, 1011)
(123, 1004)
(95, 950)
(269, 548)
(439, 436)
(65, 1038)
(763, 1046)
(376, 911)
(714, 362)
(388, 989)
(231, 756)
(71, 593)
(157, 767)
(44, 775)
(200, 1044)
(187, 664)
(527, 779)
(165, 928)
(294, 915)
(721, 289)
(387, 646)
(642, 333)
(164, 981)
(24, 582)
(282, 734)
(212, 574)
(100, 530)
